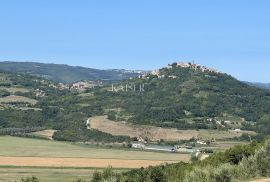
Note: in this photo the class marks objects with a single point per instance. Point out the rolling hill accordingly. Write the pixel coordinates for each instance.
(30, 104)
(65, 73)
(187, 96)
(183, 96)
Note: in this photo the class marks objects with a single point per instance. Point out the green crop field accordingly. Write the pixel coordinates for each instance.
(62, 161)
(18, 147)
(11, 174)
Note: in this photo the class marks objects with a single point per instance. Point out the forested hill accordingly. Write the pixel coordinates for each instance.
(65, 73)
(180, 96)
(184, 95)
(29, 103)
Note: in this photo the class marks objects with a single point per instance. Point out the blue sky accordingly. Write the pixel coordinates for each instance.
(230, 35)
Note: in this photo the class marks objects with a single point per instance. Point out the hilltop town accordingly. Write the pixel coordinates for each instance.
(182, 64)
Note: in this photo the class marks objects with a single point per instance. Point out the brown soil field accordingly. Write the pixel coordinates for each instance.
(154, 133)
(78, 162)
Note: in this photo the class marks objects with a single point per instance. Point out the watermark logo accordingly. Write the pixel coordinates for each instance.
(128, 88)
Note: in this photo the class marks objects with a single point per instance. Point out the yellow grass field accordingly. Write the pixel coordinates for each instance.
(154, 133)
(219, 135)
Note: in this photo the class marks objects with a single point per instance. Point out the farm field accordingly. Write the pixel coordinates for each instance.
(15, 98)
(58, 151)
(10, 174)
(78, 162)
(122, 128)
(222, 135)
(224, 145)
(15, 89)
(154, 133)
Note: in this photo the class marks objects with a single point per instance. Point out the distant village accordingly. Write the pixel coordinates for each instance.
(84, 85)
(78, 86)
(198, 146)
(190, 65)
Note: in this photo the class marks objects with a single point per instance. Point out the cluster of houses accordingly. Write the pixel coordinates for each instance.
(142, 146)
(78, 86)
(222, 123)
(82, 85)
(219, 122)
(195, 67)
(189, 148)
(181, 65)
(39, 93)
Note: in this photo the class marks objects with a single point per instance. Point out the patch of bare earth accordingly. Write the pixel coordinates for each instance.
(204, 156)
(103, 124)
(78, 162)
(45, 133)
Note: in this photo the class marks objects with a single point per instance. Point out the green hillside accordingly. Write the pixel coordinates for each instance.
(188, 97)
(182, 97)
(65, 73)
(29, 103)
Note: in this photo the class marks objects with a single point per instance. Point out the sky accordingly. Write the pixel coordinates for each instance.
(230, 35)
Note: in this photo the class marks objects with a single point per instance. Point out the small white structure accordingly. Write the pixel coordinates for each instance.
(201, 142)
(138, 146)
(227, 122)
(173, 76)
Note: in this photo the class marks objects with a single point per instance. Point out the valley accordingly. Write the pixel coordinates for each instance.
(177, 119)
(134, 91)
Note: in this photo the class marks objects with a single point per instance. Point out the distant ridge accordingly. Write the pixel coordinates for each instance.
(259, 85)
(65, 73)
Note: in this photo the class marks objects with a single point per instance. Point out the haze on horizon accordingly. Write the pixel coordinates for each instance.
(231, 36)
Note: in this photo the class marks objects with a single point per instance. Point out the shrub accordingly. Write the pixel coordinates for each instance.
(30, 179)
(97, 176)
(225, 173)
